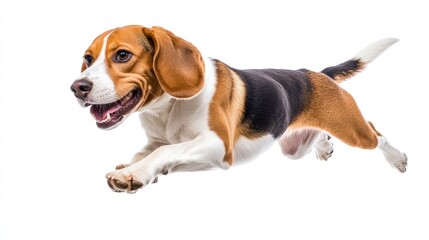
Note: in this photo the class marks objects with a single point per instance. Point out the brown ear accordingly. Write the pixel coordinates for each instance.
(178, 64)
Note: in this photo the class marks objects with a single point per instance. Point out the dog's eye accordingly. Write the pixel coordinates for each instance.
(88, 59)
(122, 56)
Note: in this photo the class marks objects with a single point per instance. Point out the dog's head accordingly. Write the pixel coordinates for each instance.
(126, 68)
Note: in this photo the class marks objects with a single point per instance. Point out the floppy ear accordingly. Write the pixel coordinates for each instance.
(178, 64)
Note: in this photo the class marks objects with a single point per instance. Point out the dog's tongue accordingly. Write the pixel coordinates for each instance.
(100, 112)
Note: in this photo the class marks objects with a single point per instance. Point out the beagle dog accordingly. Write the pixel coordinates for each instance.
(199, 113)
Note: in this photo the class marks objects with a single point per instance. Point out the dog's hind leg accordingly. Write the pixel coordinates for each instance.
(394, 157)
(334, 110)
(297, 143)
(323, 148)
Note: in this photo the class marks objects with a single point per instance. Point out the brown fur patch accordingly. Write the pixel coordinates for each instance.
(248, 132)
(373, 128)
(334, 110)
(137, 72)
(177, 63)
(226, 108)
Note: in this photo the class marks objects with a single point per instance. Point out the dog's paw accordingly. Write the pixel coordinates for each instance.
(394, 157)
(399, 162)
(128, 180)
(324, 148)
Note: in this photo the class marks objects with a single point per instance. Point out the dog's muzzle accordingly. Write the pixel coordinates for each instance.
(81, 88)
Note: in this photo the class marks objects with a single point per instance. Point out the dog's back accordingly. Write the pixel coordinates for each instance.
(274, 97)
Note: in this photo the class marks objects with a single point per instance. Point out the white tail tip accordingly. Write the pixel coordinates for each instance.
(374, 50)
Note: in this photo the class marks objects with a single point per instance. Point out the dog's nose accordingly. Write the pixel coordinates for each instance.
(81, 88)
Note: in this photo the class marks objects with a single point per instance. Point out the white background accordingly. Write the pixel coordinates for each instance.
(53, 158)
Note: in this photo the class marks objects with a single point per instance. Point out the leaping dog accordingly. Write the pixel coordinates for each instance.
(199, 113)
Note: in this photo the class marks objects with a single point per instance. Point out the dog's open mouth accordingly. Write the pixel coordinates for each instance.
(108, 115)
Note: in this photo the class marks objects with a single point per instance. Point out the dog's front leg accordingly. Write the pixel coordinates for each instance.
(204, 152)
(144, 152)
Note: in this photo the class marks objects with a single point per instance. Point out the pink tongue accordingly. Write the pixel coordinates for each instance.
(99, 112)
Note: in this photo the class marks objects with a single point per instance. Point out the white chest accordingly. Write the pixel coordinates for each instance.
(172, 121)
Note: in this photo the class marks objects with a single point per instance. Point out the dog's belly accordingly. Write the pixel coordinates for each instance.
(247, 149)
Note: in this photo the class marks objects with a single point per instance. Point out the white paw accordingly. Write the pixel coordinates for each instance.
(394, 157)
(398, 161)
(129, 179)
(323, 148)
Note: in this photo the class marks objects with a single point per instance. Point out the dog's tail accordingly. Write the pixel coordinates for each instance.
(348, 69)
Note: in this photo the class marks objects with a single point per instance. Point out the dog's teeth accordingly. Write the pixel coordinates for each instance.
(128, 97)
(106, 119)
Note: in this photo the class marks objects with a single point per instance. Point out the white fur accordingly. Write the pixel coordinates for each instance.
(103, 88)
(179, 137)
(201, 153)
(297, 143)
(393, 156)
(173, 120)
(247, 149)
(323, 148)
(374, 50)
